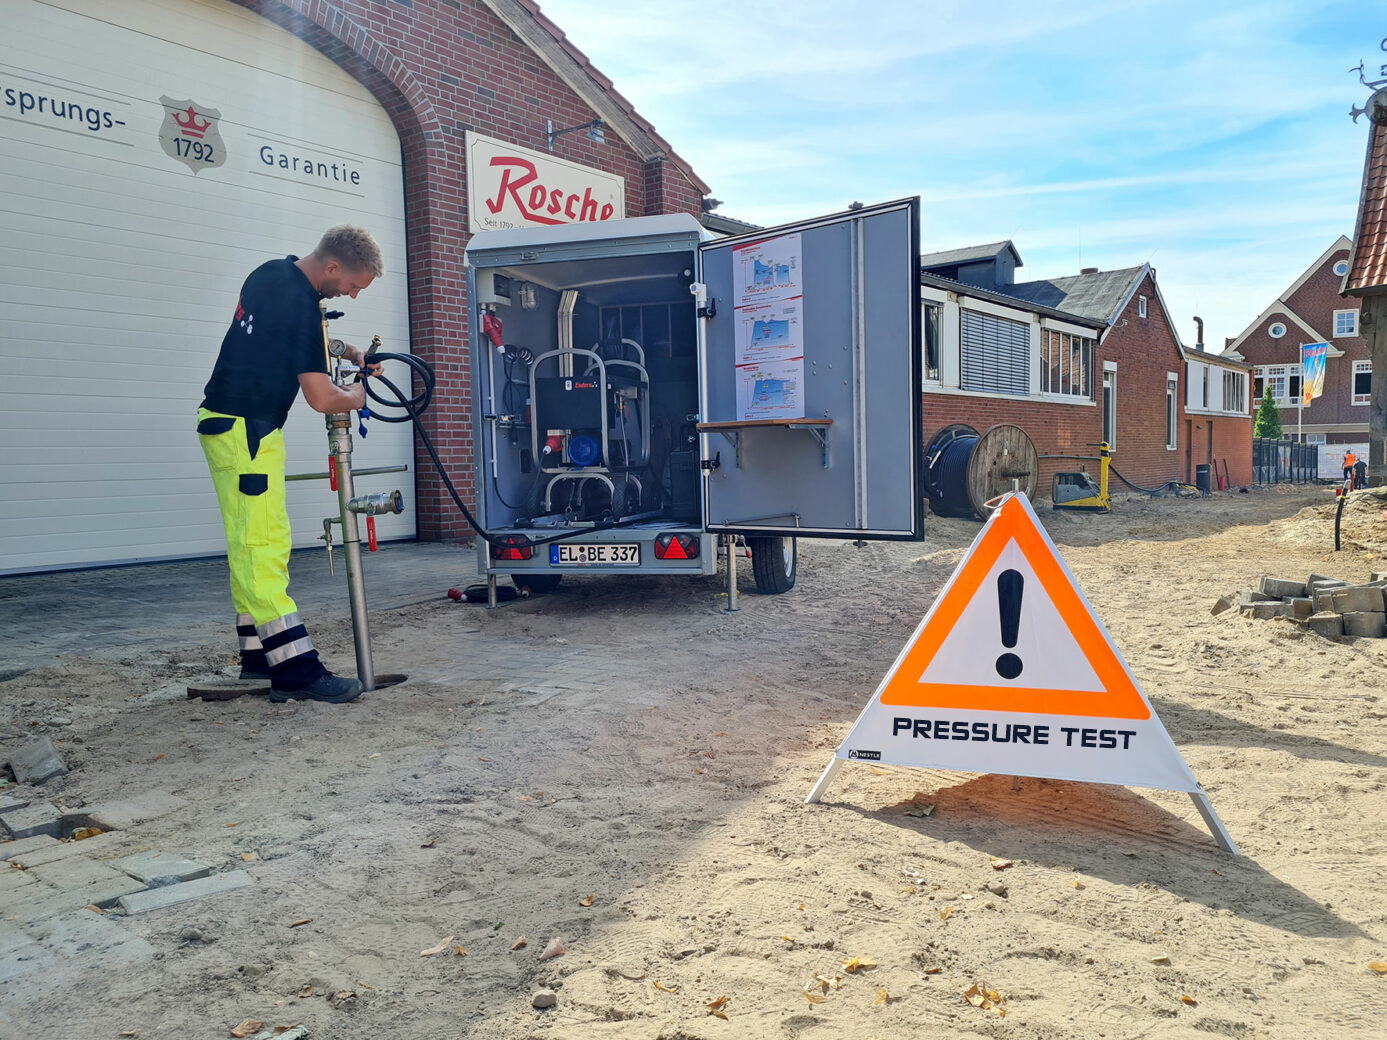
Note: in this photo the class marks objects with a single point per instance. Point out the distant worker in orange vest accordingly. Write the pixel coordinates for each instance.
(1350, 460)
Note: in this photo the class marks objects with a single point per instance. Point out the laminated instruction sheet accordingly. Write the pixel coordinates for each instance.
(769, 305)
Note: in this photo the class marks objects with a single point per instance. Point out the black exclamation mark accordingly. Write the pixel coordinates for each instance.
(1009, 585)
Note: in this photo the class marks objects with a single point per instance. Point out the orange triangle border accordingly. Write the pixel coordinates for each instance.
(1120, 697)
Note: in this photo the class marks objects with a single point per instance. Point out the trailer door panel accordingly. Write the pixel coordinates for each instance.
(809, 373)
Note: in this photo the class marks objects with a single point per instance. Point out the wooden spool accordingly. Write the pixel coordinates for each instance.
(1002, 455)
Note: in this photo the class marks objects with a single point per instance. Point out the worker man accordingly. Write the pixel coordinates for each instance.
(1350, 460)
(1360, 474)
(274, 348)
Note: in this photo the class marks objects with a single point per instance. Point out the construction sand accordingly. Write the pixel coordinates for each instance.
(625, 743)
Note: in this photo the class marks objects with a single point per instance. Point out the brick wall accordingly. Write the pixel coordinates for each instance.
(1054, 429)
(440, 68)
(1145, 349)
(1315, 303)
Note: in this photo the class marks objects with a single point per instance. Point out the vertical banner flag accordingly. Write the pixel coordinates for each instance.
(1012, 672)
(1312, 358)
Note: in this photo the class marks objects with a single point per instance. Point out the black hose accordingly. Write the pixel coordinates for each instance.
(413, 406)
(1172, 485)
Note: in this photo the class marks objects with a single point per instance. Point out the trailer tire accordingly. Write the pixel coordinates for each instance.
(621, 491)
(775, 563)
(537, 583)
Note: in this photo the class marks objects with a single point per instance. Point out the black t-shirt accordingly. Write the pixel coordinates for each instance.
(276, 334)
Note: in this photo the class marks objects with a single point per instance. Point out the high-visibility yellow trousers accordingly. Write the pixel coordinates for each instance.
(248, 474)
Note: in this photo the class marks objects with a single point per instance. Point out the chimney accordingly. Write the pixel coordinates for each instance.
(1088, 270)
(1199, 336)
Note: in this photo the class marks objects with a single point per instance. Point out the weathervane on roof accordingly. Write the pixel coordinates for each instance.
(1376, 108)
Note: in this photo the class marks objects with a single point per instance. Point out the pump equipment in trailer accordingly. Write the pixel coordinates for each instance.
(641, 390)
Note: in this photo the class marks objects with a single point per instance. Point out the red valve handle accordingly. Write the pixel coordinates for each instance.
(332, 471)
(371, 533)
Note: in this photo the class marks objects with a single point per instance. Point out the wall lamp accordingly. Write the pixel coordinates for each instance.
(593, 127)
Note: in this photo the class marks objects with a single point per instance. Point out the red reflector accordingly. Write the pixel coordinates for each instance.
(676, 547)
(514, 547)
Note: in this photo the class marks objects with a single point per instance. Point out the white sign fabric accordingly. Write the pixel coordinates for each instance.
(1012, 672)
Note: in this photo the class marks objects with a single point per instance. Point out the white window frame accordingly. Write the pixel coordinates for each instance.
(1233, 391)
(1109, 417)
(925, 306)
(1279, 376)
(1066, 364)
(1316, 438)
(1271, 329)
(1172, 410)
(1141, 306)
(1351, 323)
(1341, 264)
(1361, 399)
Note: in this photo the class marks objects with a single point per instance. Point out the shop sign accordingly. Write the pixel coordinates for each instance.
(509, 187)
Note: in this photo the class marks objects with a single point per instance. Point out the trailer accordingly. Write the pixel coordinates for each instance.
(641, 391)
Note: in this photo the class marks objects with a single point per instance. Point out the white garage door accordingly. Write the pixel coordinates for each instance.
(152, 153)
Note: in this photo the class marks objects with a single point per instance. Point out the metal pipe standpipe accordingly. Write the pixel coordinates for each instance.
(350, 505)
(340, 451)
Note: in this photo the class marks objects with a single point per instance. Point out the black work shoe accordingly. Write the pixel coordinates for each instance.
(261, 674)
(329, 688)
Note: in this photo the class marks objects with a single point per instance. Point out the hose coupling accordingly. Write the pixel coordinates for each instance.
(375, 505)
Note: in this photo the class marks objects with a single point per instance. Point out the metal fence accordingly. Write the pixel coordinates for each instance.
(1284, 462)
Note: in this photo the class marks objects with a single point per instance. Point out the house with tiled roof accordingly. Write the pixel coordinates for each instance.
(1077, 360)
(1312, 309)
(1365, 279)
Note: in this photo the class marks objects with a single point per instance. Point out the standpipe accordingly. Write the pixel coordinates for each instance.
(350, 504)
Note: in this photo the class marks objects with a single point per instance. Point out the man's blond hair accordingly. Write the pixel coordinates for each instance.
(353, 248)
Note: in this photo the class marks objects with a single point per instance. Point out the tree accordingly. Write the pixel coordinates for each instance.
(1268, 421)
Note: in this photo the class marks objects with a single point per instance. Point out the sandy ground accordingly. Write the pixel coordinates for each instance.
(627, 741)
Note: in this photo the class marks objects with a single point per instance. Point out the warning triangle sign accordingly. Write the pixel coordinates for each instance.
(1012, 672)
(1013, 595)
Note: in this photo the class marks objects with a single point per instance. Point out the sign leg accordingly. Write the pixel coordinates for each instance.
(1211, 820)
(824, 781)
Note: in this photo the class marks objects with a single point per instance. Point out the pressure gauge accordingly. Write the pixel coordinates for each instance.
(337, 348)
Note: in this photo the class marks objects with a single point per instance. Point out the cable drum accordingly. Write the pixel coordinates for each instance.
(965, 469)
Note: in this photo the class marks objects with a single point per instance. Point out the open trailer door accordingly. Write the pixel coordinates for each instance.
(810, 375)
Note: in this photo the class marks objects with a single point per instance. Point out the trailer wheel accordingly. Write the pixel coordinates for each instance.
(537, 583)
(775, 563)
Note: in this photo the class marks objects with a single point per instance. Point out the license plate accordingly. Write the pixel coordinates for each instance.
(563, 554)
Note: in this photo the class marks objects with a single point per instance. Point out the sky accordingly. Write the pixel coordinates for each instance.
(1211, 139)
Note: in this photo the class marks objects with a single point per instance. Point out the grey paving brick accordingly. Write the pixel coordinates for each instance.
(36, 902)
(157, 869)
(20, 954)
(11, 800)
(12, 937)
(37, 818)
(91, 939)
(97, 883)
(91, 847)
(36, 761)
(13, 877)
(171, 895)
(10, 849)
(122, 815)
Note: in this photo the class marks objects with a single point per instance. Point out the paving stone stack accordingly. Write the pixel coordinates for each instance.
(1322, 604)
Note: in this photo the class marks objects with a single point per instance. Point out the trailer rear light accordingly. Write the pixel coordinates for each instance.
(514, 547)
(676, 547)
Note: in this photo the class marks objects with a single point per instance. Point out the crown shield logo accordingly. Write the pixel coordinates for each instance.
(189, 134)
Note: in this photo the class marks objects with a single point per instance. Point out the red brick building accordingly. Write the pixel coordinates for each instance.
(1312, 310)
(1077, 360)
(1366, 276)
(444, 68)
